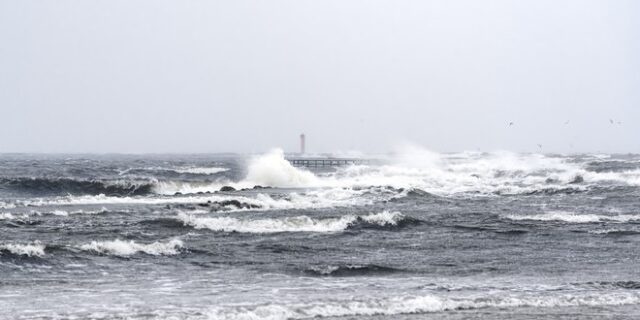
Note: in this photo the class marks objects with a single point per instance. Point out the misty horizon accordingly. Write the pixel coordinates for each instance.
(245, 77)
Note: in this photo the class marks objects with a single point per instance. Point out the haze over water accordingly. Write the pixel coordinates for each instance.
(246, 76)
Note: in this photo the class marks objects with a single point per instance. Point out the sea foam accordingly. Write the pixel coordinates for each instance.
(288, 224)
(127, 248)
(201, 170)
(417, 305)
(272, 169)
(35, 249)
(573, 217)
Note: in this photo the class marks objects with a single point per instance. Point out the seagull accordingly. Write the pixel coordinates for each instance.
(510, 124)
(611, 120)
(539, 146)
(567, 122)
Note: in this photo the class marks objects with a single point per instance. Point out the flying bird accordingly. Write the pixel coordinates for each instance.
(539, 146)
(611, 120)
(566, 122)
(510, 124)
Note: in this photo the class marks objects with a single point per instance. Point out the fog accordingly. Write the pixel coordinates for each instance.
(246, 76)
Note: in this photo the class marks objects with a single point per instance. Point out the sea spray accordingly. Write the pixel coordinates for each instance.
(272, 169)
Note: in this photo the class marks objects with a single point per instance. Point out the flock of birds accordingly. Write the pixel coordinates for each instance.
(611, 121)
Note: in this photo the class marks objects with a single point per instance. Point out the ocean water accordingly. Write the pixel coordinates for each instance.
(414, 235)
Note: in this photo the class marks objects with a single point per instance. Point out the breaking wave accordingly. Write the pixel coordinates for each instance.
(320, 198)
(201, 170)
(349, 270)
(188, 170)
(128, 248)
(615, 232)
(293, 224)
(272, 169)
(575, 217)
(502, 173)
(74, 186)
(418, 305)
(34, 249)
(11, 216)
(497, 173)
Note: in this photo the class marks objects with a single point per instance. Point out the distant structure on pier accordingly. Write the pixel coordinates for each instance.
(327, 162)
(302, 143)
(320, 161)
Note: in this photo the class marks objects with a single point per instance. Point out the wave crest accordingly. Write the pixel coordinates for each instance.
(35, 249)
(418, 305)
(75, 186)
(292, 224)
(349, 270)
(572, 217)
(272, 169)
(128, 248)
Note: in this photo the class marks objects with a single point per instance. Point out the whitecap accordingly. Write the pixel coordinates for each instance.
(287, 224)
(201, 170)
(573, 217)
(420, 304)
(127, 248)
(30, 250)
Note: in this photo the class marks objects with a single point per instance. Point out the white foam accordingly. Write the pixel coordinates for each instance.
(32, 249)
(60, 213)
(317, 198)
(192, 170)
(272, 169)
(174, 187)
(286, 224)
(443, 174)
(201, 170)
(103, 199)
(611, 230)
(575, 217)
(413, 167)
(127, 248)
(6, 205)
(417, 305)
(7, 216)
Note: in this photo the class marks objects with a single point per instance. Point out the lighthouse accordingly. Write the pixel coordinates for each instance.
(302, 143)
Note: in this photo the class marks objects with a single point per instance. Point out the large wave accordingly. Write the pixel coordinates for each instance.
(124, 248)
(292, 224)
(272, 169)
(38, 185)
(178, 170)
(35, 249)
(572, 217)
(319, 198)
(412, 167)
(419, 304)
(497, 173)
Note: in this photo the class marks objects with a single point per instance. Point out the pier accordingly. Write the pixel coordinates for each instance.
(326, 162)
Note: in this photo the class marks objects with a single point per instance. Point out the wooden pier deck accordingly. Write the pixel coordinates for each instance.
(326, 162)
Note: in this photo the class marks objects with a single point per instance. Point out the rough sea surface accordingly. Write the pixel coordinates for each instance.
(418, 235)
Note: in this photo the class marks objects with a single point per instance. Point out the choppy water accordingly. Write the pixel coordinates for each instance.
(418, 235)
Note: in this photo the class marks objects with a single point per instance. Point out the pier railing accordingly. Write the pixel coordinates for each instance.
(326, 162)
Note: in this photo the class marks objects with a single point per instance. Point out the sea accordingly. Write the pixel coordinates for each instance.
(407, 235)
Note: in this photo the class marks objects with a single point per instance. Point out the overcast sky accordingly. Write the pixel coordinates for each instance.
(244, 76)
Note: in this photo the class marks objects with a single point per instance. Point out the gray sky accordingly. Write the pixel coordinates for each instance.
(245, 76)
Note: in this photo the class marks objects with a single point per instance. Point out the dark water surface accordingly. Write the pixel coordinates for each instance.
(417, 236)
